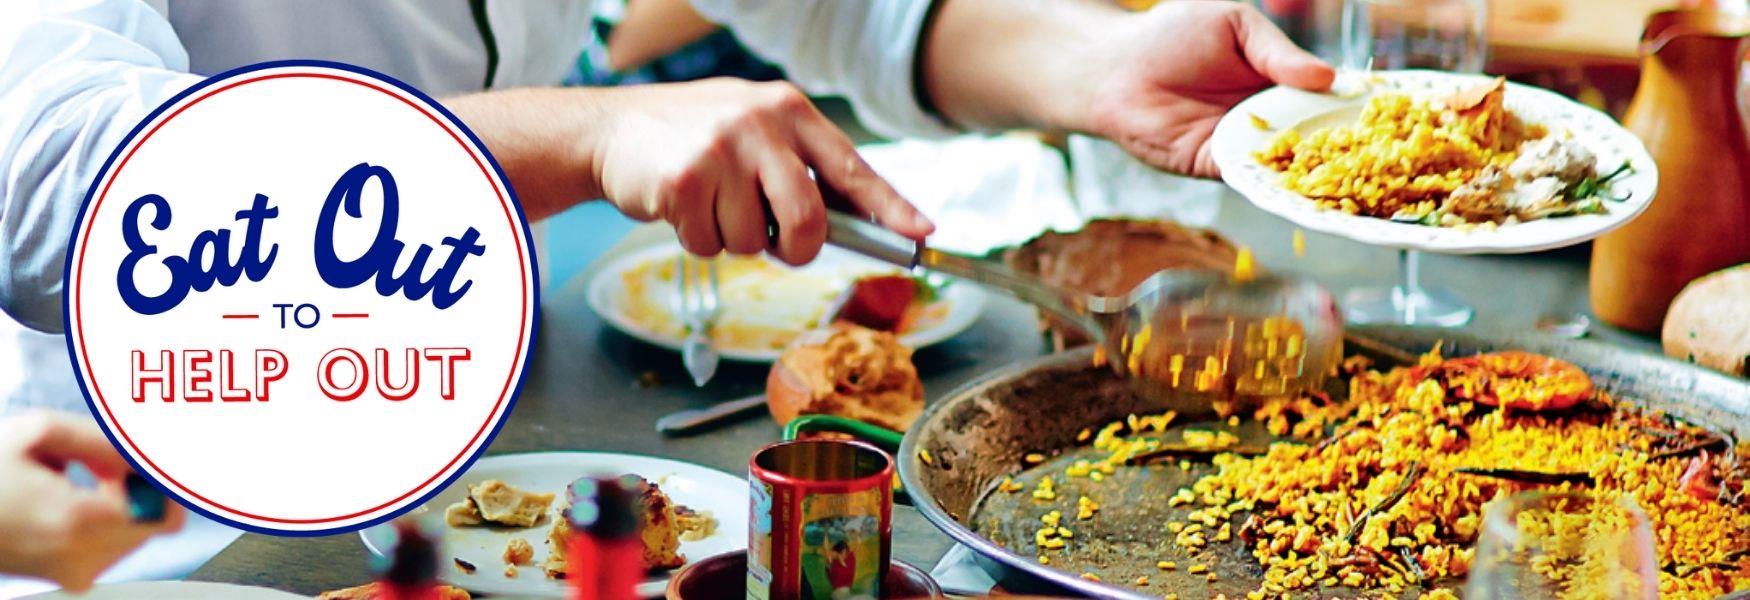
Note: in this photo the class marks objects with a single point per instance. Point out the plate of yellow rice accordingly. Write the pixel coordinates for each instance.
(1438, 162)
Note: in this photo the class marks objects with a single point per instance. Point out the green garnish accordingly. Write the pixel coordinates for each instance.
(929, 288)
(1591, 187)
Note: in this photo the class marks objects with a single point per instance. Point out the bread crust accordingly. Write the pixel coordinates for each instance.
(849, 371)
(1709, 322)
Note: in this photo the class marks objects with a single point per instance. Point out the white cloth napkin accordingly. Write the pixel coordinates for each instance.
(1108, 182)
(982, 192)
(986, 192)
(959, 574)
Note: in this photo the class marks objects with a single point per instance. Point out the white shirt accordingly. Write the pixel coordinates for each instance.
(77, 75)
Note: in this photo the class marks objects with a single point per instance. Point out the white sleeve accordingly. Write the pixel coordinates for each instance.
(864, 50)
(75, 77)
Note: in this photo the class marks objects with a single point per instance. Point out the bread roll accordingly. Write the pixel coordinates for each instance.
(1709, 322)
(849, 371)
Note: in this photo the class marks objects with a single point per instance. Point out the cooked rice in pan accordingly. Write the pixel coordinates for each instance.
(1383, 501)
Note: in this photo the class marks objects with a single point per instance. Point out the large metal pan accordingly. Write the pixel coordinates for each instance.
(982, 432)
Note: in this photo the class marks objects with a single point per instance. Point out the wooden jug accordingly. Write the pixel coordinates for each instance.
(1686, 111)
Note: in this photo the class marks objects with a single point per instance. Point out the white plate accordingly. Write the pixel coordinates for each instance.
(171, 590)
(1236, 138)
(607, 298)
(694, 486)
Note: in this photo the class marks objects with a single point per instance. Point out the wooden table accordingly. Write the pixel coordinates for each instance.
(1545, 34)
(582, 391)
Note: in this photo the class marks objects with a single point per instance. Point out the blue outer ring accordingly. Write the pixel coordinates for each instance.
(528, 242)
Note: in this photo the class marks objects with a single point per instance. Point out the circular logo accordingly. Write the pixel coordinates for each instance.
(301, 297)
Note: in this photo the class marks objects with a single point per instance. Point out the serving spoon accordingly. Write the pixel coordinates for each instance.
(1186, 338)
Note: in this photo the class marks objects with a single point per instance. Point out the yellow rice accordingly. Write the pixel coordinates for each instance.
(1405, 154)
(1316, 495)
(1305, 499)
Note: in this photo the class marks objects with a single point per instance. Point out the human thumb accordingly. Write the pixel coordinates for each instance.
(1274, 56)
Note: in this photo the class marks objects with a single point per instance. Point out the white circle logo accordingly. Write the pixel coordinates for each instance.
(300, 298)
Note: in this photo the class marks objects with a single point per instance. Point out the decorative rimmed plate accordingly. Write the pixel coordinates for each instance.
(1236, 137)
(631, 293)
(694, 486)
(170, 590)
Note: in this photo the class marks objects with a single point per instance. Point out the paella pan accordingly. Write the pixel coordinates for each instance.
(1061, 479)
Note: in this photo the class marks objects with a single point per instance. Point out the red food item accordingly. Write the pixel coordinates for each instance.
(1698, 479)
(878, 302)
(1514, 379)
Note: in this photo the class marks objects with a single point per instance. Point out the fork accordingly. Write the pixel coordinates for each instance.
(696, 280)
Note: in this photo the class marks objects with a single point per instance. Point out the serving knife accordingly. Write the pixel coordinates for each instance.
(691, 421)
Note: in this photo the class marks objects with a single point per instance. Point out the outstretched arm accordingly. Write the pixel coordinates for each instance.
(1155, 82)
(720, 160)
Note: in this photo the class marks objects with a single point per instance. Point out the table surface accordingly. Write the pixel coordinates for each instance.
(582, 391)
(1555, 33)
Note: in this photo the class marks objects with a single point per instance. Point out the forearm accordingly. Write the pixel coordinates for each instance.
(996, 64)
(545, 139)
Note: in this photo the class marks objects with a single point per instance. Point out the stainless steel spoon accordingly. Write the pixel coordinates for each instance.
(1185, 337)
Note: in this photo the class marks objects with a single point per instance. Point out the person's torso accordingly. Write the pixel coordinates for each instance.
(439, 46)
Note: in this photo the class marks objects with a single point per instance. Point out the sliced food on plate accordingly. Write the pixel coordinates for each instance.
(662, 523)
(660, 527)
(503, 527)
(496, 502)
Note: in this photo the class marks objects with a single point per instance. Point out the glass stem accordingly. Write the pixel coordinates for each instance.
(1410, 267)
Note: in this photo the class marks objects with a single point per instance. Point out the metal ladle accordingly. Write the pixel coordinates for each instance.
(1185, 337)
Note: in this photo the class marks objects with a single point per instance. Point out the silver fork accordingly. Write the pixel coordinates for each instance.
(696, 280)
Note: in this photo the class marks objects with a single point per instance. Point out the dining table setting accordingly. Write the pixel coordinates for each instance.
(1003, 387)
(1435, 332)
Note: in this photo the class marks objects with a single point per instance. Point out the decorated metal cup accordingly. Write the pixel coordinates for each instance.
(822, 521)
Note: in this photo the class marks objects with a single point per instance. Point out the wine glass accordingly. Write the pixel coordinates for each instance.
(1443, 35)
(1555, 544)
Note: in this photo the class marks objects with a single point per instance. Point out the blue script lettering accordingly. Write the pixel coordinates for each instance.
(378, 262)
(208, 261)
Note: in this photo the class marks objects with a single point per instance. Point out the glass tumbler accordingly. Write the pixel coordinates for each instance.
(1543, 544)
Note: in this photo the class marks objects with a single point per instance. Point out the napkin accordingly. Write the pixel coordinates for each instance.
(982, 192)
(988, 192)
(1108, 182)
(959, 574)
